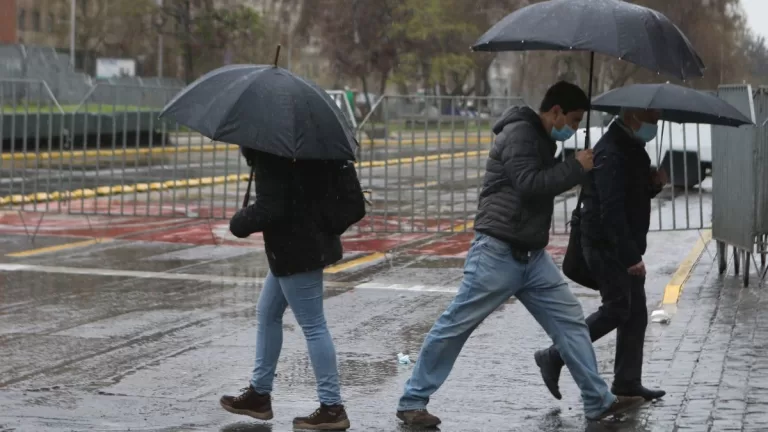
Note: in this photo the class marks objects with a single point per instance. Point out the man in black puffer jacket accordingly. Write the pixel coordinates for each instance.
(507, 256)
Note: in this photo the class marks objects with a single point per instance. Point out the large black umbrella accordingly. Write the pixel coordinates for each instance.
(677, 104)
(616, 28)
(265, 108)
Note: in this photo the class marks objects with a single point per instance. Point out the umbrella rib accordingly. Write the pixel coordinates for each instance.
(248, 77)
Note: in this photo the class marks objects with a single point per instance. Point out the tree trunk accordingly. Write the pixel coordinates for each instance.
(364, 83)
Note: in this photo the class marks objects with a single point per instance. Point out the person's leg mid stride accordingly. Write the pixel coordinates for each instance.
(548, 298)
(304, 293)
(255, 401)
(490, 275)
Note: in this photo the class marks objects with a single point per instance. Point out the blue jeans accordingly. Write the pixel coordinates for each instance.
(303, 292)
(491, 277)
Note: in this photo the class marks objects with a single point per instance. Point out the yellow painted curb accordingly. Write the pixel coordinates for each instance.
(41, 197)
(675, 286)
(81, 154)
(209, 148)
(56, 248)
(354, 263)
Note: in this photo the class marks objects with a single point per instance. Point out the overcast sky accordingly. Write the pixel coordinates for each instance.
(757, 15)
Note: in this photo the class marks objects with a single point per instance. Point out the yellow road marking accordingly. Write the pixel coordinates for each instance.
(57, 248)
(208, 148)
(435, 182)
(354, 263)
(80, 154)
(40, 197)
(462, 227)
(379, 255)
(675, 286)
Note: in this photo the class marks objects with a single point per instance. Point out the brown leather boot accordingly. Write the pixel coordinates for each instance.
(326, 417)
(249, 403)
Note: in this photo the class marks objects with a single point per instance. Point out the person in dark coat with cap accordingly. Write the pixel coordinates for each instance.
(616, 217)
(297, 251)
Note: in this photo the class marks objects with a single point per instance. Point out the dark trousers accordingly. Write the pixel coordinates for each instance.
(623, 310)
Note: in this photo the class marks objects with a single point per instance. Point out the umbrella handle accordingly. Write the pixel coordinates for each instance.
(247, 196)
(589, 96)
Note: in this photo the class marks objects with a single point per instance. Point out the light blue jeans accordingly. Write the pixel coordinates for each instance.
(491, 277)
(303, 292)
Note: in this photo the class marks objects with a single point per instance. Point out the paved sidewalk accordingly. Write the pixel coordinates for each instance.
(712, 359)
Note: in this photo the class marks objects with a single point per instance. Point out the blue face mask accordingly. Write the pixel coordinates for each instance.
(647, 131)
(562, 134)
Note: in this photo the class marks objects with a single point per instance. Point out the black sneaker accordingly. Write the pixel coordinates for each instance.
(550, 372)
(249, 403)
(621, 405)
(638, 390)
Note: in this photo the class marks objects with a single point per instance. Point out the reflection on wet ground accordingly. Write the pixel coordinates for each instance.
(154, 333)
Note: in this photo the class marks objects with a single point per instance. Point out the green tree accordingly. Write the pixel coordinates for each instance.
(207, 35)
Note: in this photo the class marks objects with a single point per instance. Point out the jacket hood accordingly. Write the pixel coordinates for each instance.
(518, 114)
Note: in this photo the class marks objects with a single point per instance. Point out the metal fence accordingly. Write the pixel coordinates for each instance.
(421, 157)
(445, 141)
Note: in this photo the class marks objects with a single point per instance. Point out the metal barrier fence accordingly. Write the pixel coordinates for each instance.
(421, 158)
(446, 140)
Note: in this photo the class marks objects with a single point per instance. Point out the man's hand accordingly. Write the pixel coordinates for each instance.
(586, 159)
(659, 178)
(637, 269)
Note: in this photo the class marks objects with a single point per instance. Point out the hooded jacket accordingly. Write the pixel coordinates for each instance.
(522, 179)
(286, 194)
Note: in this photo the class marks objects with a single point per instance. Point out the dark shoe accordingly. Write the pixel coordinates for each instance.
(327, 417)
(639, 390)
(550, 372)
(621, 405)
(418, 418)
(250, 403)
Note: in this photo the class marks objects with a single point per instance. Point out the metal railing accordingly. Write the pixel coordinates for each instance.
(421, 157)
(444, 142)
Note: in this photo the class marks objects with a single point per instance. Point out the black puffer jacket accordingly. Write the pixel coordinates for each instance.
(521, 181)
(286, 193)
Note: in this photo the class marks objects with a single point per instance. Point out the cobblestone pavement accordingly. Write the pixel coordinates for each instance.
(146, 335)
(711, 358)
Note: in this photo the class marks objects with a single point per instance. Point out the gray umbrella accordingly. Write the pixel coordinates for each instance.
(677, 104)
(616, 28)
(265, 108)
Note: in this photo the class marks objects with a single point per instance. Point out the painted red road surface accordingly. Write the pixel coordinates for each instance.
(216, 232)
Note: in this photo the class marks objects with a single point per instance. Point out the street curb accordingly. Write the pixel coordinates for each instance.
(674, 288)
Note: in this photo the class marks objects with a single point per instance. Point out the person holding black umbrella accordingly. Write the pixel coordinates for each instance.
(507, 256)
(615, 218)
(287, 198)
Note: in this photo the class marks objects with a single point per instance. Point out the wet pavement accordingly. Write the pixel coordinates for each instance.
(147, 331)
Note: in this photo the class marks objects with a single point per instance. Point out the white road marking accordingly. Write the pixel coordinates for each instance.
(252, 281)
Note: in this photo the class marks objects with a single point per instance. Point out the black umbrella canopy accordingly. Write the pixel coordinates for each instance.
(677, 104)
(265, 108)
(616, 28)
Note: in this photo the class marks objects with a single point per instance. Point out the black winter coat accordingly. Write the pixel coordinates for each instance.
(286, 193)
(522, 179)
(616, 212)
